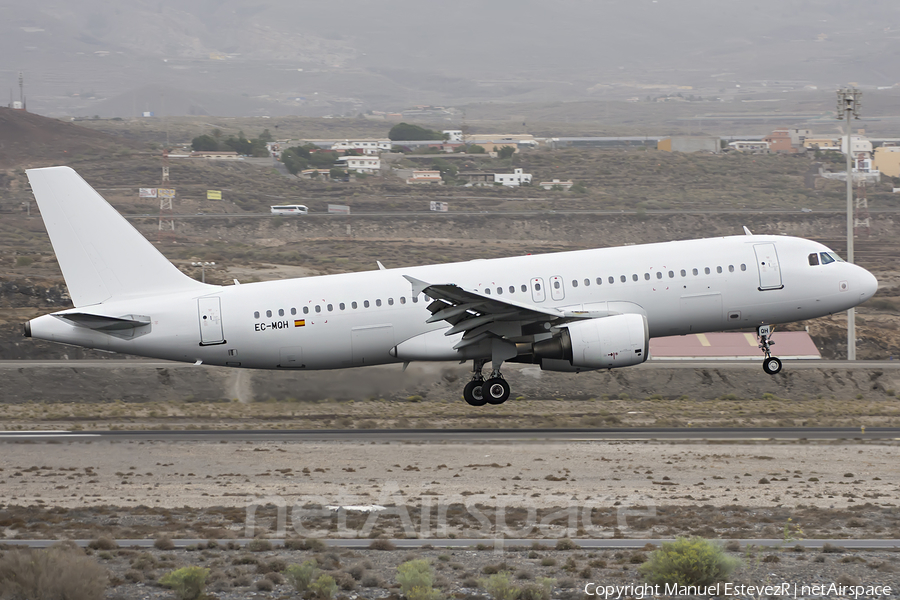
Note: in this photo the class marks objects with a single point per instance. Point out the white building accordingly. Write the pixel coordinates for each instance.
(366, 146)
(753, 147)
(453, 135)
(515, 179)
(858, 144)
(549, 185)
(360, 164)
(425, 177)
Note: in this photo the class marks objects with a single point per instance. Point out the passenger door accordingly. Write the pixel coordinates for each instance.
(769, 270)
(210, 312)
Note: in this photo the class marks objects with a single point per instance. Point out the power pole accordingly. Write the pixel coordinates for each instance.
(848, 105)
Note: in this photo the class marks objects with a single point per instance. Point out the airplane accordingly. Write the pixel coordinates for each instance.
(569, 311)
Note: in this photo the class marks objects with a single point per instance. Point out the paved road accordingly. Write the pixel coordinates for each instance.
(861, 544)
(464, 435)
(523, 213)
(115, 363)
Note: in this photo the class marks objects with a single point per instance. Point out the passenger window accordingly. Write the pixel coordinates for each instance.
(623, 279)
(390, 301)
(587, 282)
(365, 303)
(683, 273)
(826, 258)
(600, 281)
(378, 302)
(415, 299)
(402, 299)
(537, 287)
(556, 284)
(524, 288)
(696, 272)
(671, 274)
(706, 270)
(499, 290)
(731, 268)
(487, 291)
(293, 311)
(646, 276)
(743, 267)
(718, 269)
(305, 310)
(658, 275)
(574, 283)
(634, 277)
(280, 312)
(256, 315)
(612, 280)
(268, 313)
(354, 305)
(330, 307)
(512, 289)
(342, 306)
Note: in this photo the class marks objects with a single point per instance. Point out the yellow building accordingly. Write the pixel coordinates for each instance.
(887, 160)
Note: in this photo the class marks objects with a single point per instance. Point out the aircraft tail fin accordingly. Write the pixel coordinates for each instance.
(101, 255)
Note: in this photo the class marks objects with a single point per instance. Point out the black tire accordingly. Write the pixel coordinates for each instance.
(473, 394)
(495, 390)
(772, 365)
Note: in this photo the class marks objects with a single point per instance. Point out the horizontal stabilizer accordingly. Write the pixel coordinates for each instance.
(104, 323)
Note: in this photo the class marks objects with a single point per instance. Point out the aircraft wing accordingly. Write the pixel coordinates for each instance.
(479, 316)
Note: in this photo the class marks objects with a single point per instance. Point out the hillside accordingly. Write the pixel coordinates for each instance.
(30, 140)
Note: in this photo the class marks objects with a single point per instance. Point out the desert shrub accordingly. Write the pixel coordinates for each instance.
(300, 577)
(372, 580)
(275, 578)
(567, 544)
(103, 543)
(259, 545)
(164, 543)
(188, 583)
(265, 585)
(345, 581)
(381, 544)
(416, 579)
(324, 587)
(50, 574)
(548, 561)
(688, 561)
(542, 589)
(500, 587)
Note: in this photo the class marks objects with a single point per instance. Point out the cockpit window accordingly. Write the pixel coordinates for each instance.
(813, 259)
(826, 258)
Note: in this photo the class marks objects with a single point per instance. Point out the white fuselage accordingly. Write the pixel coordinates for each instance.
(355, 319)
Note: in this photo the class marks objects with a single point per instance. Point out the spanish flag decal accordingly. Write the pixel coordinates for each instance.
(300, 323)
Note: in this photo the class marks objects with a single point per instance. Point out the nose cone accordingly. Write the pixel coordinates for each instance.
(868, 285)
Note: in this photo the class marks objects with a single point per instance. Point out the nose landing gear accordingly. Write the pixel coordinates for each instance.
(771, 364)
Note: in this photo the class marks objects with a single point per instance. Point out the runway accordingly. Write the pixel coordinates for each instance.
(500, 544)
(114, 363)
(660, 434)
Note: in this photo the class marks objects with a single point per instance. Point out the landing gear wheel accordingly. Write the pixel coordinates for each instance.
(771, 365)
(473, 393)
(495, 390)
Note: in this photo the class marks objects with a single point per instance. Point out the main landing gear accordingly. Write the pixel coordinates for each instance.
(771, 364)
(481, 391)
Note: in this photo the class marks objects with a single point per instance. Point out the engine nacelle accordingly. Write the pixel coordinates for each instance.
(603, 343)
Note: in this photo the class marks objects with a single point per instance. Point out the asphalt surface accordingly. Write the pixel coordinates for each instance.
(465, 435)
(114, 363)
(605, 543)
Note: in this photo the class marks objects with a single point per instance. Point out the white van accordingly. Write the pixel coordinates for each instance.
(290, 209)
